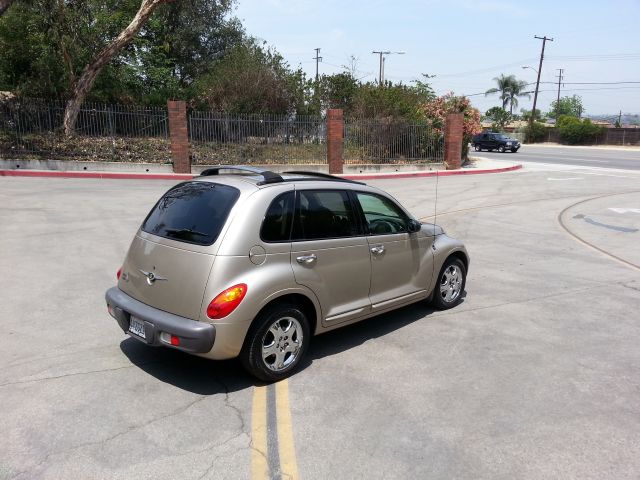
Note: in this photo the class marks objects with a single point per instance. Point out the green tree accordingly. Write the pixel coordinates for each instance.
(499, 118)
(252, 79)
(509, 89)
(46, 44)
(526, 114)
(570, 106)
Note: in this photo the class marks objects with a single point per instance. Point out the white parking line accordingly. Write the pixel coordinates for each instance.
(625, 210)
(568, 178)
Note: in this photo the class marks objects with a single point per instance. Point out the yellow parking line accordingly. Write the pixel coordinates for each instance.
(259, 465)
(287, 452)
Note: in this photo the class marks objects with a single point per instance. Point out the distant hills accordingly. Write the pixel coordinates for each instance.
(626, 119)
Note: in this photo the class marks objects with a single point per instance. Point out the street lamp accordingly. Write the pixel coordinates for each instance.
(382, 53)
(527, 66)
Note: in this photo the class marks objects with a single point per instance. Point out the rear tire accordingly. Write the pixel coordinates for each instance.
(451, 282)
(501, 148)
(276, 343)
(477, 148)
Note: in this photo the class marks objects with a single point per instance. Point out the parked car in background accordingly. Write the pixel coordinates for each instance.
(495, 141)
(253, 265)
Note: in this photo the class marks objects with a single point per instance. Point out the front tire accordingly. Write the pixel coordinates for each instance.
(276, 343)
(451, 282)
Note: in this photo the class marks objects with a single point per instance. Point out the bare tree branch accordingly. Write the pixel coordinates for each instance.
(4, 4)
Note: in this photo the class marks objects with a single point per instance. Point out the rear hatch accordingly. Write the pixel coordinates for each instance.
(170, 258)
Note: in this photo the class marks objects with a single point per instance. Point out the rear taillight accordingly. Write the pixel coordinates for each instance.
(226, 301)
(119, 273)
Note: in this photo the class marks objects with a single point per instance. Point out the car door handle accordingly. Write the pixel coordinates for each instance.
(377, 250)
(306, 259)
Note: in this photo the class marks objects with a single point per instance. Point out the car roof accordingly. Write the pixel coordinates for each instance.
(263, 177)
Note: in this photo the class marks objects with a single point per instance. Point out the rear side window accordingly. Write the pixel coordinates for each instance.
(276, 226)
(324, 214)
(192, 212)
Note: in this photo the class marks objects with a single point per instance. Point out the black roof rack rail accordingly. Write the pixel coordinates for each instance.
(268, 175)
(322, 176)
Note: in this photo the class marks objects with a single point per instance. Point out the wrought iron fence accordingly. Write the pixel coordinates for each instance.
(31, 128)
(219, 138)
(391, 142)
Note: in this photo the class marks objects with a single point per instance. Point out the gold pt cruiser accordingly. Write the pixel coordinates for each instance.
(253, 264)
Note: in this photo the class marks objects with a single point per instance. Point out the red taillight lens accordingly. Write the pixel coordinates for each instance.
(226, 301)
(119, 273)
(175, 341)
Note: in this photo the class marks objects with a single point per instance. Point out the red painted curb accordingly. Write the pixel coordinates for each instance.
(178, 176)
(439, 173)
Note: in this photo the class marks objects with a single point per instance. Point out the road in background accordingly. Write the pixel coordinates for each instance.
(619, 158)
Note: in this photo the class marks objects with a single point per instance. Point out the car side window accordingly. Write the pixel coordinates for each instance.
(276, 226)
(323, 214)
(382, 216)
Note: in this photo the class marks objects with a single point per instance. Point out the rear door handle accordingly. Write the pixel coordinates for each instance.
(377, 250)
(306, 259)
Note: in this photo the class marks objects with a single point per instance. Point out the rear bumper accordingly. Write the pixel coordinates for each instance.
(195, 337)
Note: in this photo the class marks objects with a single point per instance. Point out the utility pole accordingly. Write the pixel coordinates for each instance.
(317, 58)
(558, 100)
(382, 54)
(620, 118)
(535, 95)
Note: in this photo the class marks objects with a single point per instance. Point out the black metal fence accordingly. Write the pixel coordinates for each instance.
(391, 142)
(219, 138)
(31, 128)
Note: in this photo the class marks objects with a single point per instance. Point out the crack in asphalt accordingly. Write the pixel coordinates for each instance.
(55, 377)
(178, 411)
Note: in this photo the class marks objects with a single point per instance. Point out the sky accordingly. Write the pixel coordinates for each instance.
(465, 44)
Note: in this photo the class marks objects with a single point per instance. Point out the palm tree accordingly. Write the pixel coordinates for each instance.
(509, 88)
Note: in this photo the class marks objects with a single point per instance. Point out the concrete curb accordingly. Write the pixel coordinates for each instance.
(177, 176)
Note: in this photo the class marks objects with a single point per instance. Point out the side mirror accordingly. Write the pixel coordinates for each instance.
(414, 226)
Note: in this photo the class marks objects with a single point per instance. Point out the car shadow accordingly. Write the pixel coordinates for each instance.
(207, 377)
(342, 339)
(188, 372)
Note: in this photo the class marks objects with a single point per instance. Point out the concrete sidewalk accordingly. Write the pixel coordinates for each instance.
(475, 166)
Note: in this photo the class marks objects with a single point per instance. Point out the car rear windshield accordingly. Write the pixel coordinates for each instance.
(192, 212)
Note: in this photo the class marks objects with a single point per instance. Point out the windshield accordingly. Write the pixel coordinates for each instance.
(192, 212)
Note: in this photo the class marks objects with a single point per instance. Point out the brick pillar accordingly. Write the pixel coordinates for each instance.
(453, 141)
(179, 137)
(335, 140)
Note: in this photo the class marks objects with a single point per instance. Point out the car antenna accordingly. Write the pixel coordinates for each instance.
(435, 205)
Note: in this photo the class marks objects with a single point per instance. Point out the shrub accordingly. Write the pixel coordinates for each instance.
(575, 131)
(535, 132)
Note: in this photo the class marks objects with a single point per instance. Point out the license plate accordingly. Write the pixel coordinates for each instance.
(136, 327)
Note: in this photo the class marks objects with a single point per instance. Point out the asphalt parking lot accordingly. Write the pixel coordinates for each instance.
(535, 375)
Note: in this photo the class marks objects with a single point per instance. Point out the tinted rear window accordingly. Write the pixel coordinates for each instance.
(192, 212)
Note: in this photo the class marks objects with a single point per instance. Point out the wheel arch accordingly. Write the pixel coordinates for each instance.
(306, 305)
